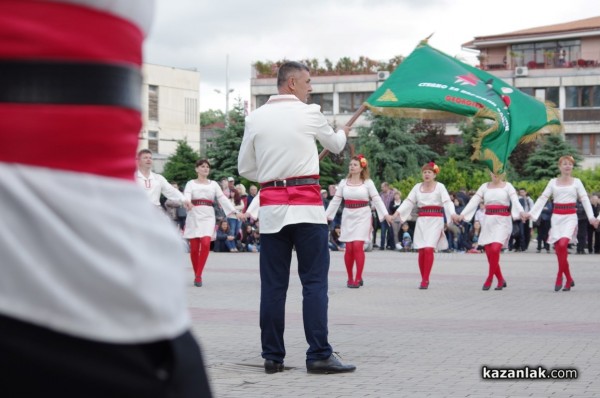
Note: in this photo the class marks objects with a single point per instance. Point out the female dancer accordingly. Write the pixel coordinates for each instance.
(200, 222)
(433, 201)
(565, 190)
(356, 190)
(498, 195)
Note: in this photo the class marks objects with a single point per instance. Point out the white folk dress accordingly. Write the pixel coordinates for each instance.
(563, 225)
(496, 228)
(429, 231)
(356, 222)
(201, 220)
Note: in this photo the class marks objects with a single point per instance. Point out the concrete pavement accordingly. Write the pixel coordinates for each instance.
(405, 341)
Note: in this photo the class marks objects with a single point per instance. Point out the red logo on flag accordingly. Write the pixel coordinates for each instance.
(469, 79)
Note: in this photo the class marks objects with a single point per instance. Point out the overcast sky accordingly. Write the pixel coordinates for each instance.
(200, 33)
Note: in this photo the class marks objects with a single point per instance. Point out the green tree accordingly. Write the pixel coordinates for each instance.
(331, 172)
(180, 167)
(433, 136)
(211, 116)
(392, 150)
(462, 152)
(519, 157)
(543, 163)
(223, 153)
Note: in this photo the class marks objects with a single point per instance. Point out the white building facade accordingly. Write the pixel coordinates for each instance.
(170, 110)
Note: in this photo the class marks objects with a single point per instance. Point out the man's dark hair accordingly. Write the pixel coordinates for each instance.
(287, 69)
(143, 151)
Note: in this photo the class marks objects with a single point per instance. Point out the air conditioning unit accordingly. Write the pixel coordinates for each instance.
(382, 75)
(521, 71)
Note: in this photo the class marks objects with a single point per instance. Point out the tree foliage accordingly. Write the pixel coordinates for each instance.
(180, 167)
(392, 150)
(223, 153)
(211, 116)
(543, 163)
(462, 151)
(344, 66)
(519, 157)
(433, 136)
(329, 171)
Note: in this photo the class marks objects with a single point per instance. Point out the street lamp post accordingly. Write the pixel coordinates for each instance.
(227, 90)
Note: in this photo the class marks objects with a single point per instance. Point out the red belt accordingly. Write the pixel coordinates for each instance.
(295, 191)
(202, 202)
(564, 208)
(497, 210)
(431, 211)
(355, 204)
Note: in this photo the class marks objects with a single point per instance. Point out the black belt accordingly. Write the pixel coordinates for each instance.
(292, 182)
(70, 83)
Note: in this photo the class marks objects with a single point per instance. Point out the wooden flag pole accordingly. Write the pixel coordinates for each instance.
(358, 112)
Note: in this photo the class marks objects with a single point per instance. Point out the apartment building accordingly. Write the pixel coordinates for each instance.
(170, 110)
(557, 63)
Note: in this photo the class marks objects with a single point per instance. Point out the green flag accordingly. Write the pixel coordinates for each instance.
(429, 83)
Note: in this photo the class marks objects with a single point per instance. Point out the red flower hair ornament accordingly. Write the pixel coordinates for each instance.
(363, 161)
(431, 166)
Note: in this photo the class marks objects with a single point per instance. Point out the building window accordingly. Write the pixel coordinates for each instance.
(582, 96)
(153, 103)
(550, 94)
(586, 144)
(324, 100)
(153, 141)
(191, 111)
(261, 100)
(547, 53)
(350, 102)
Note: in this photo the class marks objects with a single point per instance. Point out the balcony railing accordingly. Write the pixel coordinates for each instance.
(580, 63)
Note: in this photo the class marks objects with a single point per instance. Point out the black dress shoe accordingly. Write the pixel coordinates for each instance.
(198, 284)
(557, 287)
(486, 287)
(362, 283)
(273, 366)
(568, 286)
(329, 365)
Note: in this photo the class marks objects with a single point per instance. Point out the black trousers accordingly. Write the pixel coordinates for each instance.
(38, 362)
(312, 250)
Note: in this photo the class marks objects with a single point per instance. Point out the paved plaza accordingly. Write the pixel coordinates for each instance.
(404, 341)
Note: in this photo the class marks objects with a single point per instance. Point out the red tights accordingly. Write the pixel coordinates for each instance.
(563, 264)
(492, 252)
(355, 252)
(425, 264)
(199, 249)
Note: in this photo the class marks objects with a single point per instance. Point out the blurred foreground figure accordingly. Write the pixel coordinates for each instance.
(92, 300)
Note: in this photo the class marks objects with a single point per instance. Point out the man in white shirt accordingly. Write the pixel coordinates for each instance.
(92, 295)
(279, 151)
(155, 184)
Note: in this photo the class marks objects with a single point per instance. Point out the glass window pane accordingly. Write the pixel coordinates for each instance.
(595, 96)
(585, 144)
(327, 104)
(261, 100)
(571, 97)
(552, 95)
(345, 103)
